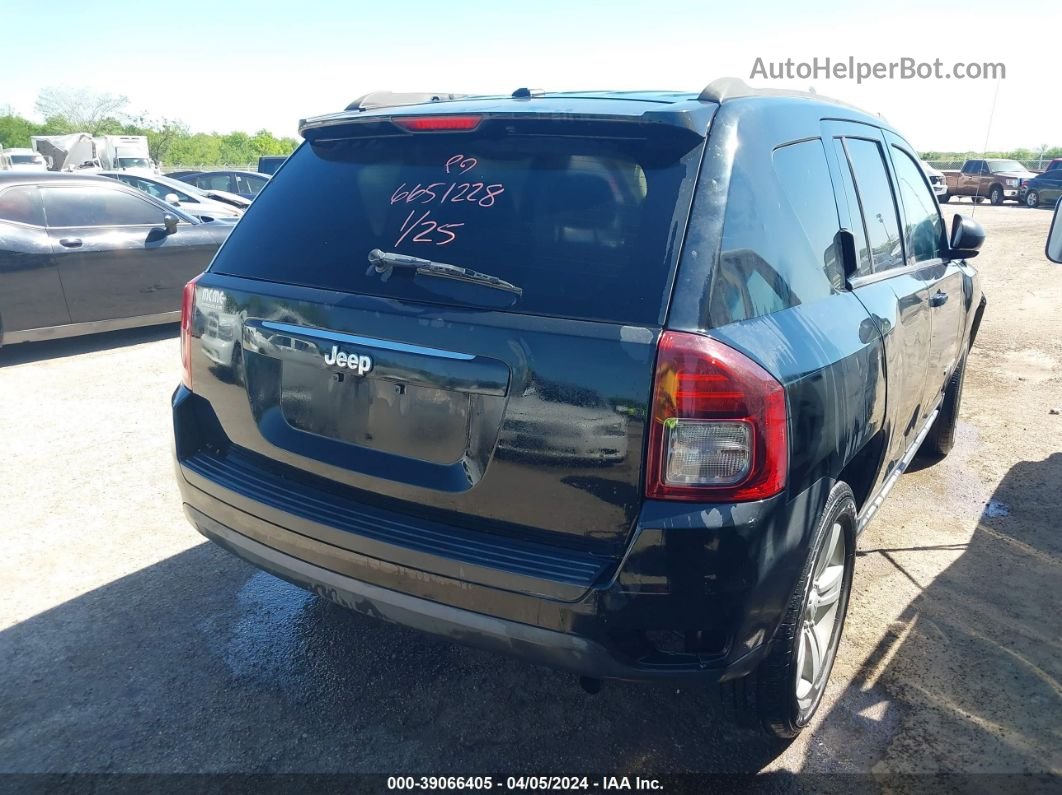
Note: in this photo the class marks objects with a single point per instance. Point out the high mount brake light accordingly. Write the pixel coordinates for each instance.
(437, 123)
(718, 429)
(187, 318)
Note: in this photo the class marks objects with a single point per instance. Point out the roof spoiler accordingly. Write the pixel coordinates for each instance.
(725, 88)
(388, 99)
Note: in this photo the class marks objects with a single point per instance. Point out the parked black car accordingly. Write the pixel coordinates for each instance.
(713, 330)
(1044, 188)
(268, 164)
(242, 183)
(81, 254)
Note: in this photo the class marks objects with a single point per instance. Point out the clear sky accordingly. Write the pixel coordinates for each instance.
(244, 65)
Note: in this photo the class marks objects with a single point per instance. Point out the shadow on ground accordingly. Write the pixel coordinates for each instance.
(23, 353)
(969, 674)
(200, 663)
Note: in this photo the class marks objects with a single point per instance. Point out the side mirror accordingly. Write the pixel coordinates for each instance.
(966, 237)
(170, 222)
(1054, 237)
(171, 198)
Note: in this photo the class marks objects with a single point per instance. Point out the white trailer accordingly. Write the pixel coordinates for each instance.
(71, 152)
(84, 152)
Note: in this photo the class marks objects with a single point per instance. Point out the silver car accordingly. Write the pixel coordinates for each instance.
(205, 205)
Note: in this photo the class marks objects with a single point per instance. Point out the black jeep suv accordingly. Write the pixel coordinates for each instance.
(609, 381)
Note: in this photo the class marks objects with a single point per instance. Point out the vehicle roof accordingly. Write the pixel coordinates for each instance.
(9, 177)
(604, 103)
(19, 150)
(229, 171)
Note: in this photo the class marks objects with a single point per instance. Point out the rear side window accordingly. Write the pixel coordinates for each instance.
(22, 205)
(97, 207)
(924, 230)
(587, 227)
(877, 202)
(779, 245)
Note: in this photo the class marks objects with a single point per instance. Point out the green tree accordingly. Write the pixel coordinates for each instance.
(169, 140)
(81, 110)
(15, 131)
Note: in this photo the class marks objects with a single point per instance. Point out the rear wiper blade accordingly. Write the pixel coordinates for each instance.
(384, 262)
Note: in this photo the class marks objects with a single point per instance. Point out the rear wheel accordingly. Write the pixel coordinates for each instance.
(996, 195)
(781, 696)
(1032, 199)
(941, 437)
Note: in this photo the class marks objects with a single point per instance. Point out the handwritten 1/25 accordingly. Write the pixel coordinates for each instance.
(441, 193)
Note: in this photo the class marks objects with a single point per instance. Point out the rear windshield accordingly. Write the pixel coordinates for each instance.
(587, 227)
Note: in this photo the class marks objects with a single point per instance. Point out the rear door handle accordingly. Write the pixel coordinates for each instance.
(939, 298)
(70, 242)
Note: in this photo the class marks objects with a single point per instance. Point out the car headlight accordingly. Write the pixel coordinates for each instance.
(1012, 183)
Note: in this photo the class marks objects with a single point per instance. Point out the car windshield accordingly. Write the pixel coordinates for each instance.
(25, 159)
(585, 225)
(997, 166)
(134, 162)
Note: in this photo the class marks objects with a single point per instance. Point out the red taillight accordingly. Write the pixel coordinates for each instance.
(717, 428)
(187, 316)
(437, 123)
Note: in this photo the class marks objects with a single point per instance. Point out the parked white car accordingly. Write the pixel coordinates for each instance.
(22, 160)
(205, 205)
(936, 179)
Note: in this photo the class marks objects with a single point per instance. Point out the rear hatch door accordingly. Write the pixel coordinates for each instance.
(520, 412)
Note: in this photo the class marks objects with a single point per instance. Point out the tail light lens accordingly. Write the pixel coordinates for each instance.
(718, 430)
(187, 316)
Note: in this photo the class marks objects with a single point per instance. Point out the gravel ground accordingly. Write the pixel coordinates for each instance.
(127, 643)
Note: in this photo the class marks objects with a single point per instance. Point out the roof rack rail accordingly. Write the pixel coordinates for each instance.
(527, 93)
(726, 88)
(387, 99)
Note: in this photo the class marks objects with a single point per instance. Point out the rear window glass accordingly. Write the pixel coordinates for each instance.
(587, 227)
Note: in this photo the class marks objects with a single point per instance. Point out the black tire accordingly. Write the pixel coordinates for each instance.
(995, 195)
(766, 699)
(941, 437)
(945, 198)
(1032, 199)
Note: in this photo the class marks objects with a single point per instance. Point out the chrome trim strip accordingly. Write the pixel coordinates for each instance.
(871, 507)
(368, 342)
(88, 327)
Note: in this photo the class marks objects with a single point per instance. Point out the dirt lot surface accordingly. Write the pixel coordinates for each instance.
(127, 643)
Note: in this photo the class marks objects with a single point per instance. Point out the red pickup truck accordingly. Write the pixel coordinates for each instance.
(995, 180)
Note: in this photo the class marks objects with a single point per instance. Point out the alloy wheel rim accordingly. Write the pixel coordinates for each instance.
(817, 639)
(1032, 200)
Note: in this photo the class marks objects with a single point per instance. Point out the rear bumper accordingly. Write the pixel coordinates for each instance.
(698, 593)
(560, 650)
